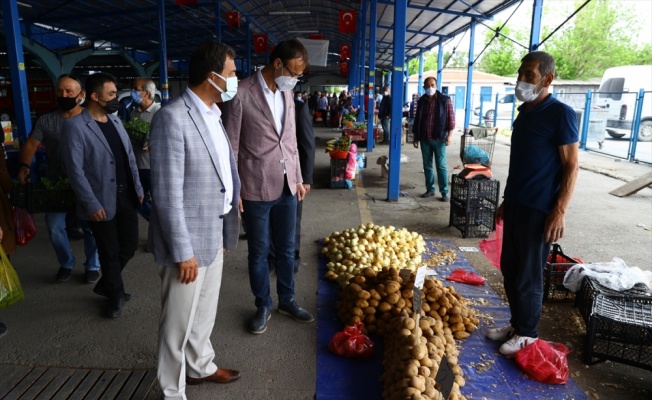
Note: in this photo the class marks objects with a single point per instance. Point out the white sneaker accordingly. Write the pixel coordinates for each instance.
(516, 343)
(501, 334)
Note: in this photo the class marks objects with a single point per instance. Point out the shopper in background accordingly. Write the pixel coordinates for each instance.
(385, 114)
(143, 92)
(48, 130)
(195, 188)
(433, 127)
(260, 122)
(543, 167)
(100, 163)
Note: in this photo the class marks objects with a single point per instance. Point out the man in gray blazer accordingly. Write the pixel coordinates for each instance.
(260, 122)
(100, 164)
(194, 218)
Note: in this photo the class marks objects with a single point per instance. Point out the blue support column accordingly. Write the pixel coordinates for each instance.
(440, 64)
(396, 124)
(248, 47)
(535, 33)
(389, 79)
(636, 125)
(163, 54)
(585, 119)
(19, 90)
(420, 81)
(372, 75)
(406, 82)
(469, 77)
(362, 21)
(218, 20)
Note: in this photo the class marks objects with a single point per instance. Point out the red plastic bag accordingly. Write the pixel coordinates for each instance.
(25, 227)
(545, 362)
(352, 343)
(460, 275)
(493, 245)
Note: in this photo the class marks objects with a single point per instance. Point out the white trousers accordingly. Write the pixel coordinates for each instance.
(187, 320)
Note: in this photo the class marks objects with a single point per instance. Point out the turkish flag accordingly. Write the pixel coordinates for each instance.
(344, 68)
(185, 2)
(233, 19)
(260, 42)
(345, 51)
(347, 21)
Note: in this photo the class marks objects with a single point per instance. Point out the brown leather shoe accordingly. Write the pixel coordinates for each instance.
(220, 376)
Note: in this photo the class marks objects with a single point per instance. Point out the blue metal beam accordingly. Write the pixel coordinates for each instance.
(441, 10)
(163, 59)
(218, 20)
(535, 32)
(420, 81)
(415, 32)
(371, 141)
(469, 77)
(396, 123)
(362, 21)
(440, 64)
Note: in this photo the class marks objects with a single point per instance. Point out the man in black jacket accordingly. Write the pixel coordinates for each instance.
(385, 113)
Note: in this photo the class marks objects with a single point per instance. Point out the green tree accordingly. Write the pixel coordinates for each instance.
(502, 56)
(429, 63)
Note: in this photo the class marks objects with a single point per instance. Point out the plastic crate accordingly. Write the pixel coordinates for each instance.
(553, 275)
(338, 174)
(473, 206)
(470, 191)
(618, 324)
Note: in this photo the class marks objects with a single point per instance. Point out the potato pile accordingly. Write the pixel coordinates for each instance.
(375, 297)
(413, 352)
(372, 246)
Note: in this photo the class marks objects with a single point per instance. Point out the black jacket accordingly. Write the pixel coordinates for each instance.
(305, 141)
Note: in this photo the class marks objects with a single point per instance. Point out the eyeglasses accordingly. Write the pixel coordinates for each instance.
(292, 74)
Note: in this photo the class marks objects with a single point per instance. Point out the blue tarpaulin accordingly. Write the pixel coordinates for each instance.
(488, 374)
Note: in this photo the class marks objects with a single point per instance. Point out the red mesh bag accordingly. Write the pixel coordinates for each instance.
(352, 343)
(25, 227)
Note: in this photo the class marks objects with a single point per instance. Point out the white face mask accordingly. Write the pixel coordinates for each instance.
(431, 91)
(231, 86)
(525, 91)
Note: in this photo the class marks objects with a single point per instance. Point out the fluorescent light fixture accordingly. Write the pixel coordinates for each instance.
(20, 3)
(153, 41)
(289, 13)
(308, 31)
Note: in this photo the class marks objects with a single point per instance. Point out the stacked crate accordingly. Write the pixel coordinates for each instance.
(473, 205)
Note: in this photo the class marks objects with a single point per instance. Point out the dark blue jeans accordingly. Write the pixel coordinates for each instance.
(522, 261)
(267, 221)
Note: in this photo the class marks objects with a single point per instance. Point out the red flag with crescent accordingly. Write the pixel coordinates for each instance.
(347, 21)
(345, 51)
(260, 42)
(344, 68)
(233, 19)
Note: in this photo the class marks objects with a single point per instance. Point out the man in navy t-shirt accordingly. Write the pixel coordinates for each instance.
(543, 168)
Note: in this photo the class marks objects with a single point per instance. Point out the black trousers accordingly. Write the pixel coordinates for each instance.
(117, 241)
(271, 258)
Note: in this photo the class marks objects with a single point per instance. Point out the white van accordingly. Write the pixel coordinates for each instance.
(617, 94)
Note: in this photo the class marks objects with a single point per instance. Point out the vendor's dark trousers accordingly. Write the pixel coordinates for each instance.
(271, 221)
(117, 240)
(522, 261)
(271, 258)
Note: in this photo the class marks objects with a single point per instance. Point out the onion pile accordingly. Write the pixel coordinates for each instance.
(372, 246)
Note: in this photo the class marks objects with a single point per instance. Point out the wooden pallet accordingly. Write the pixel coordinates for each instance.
(633, 186)
(44, 383)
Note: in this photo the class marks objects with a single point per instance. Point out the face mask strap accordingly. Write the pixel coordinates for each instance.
(215, 84)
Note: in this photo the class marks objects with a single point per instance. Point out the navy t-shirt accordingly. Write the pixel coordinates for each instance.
(534, 164)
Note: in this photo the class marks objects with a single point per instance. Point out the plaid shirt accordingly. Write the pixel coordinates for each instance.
(428, 119)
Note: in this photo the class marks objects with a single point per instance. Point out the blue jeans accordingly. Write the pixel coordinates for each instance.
(434, 149)
(146, 182)
(56, 225)
(385, 124)
(522, 261)
(271, 220)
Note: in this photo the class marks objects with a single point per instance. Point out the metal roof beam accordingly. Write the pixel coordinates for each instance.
(391, 28)
(441, 10)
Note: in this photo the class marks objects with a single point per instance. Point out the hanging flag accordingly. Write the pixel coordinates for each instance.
(185, 2)
(347, 21)
(318, 36)
(344, 68)
(345, 51)
(233, 19)
(260, 42)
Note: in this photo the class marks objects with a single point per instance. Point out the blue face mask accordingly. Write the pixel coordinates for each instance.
(135, 96)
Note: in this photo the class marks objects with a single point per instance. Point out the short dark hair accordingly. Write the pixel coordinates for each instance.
(208, 57)
(430, 77)
(546, 61)
(95, 83)
(288, 50)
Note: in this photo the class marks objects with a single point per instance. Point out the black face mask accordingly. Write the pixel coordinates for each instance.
(66, 103)
(111, 106)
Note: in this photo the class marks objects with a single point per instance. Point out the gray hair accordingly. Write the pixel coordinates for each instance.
(149, 87)
(546, 61)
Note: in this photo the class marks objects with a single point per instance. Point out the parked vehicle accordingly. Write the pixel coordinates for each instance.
(505, 106)
(617, 94)
(42, 99)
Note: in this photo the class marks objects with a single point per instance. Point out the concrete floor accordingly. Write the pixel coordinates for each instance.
(62, 324)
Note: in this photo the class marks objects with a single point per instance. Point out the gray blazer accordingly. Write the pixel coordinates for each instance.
(88, 161)
(187, 217)
(257, 146)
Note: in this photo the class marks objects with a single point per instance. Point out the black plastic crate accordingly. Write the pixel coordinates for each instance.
(476, 220)
(553, 275)
(618, 324)
(338, 174)
(470, 191)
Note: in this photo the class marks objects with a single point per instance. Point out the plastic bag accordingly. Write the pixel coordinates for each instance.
(545, 362)
(352, 343)
(10, 289)
(492, 246)
(460, 275)
(615, 275)
(25, 227)
(351, 164)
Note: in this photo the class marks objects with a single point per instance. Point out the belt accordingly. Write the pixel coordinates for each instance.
(121, 188)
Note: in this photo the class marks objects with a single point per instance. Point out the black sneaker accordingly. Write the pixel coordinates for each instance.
(297, 313)
(64, 274)
(444, 198)
(427, 194)
(91, 276)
